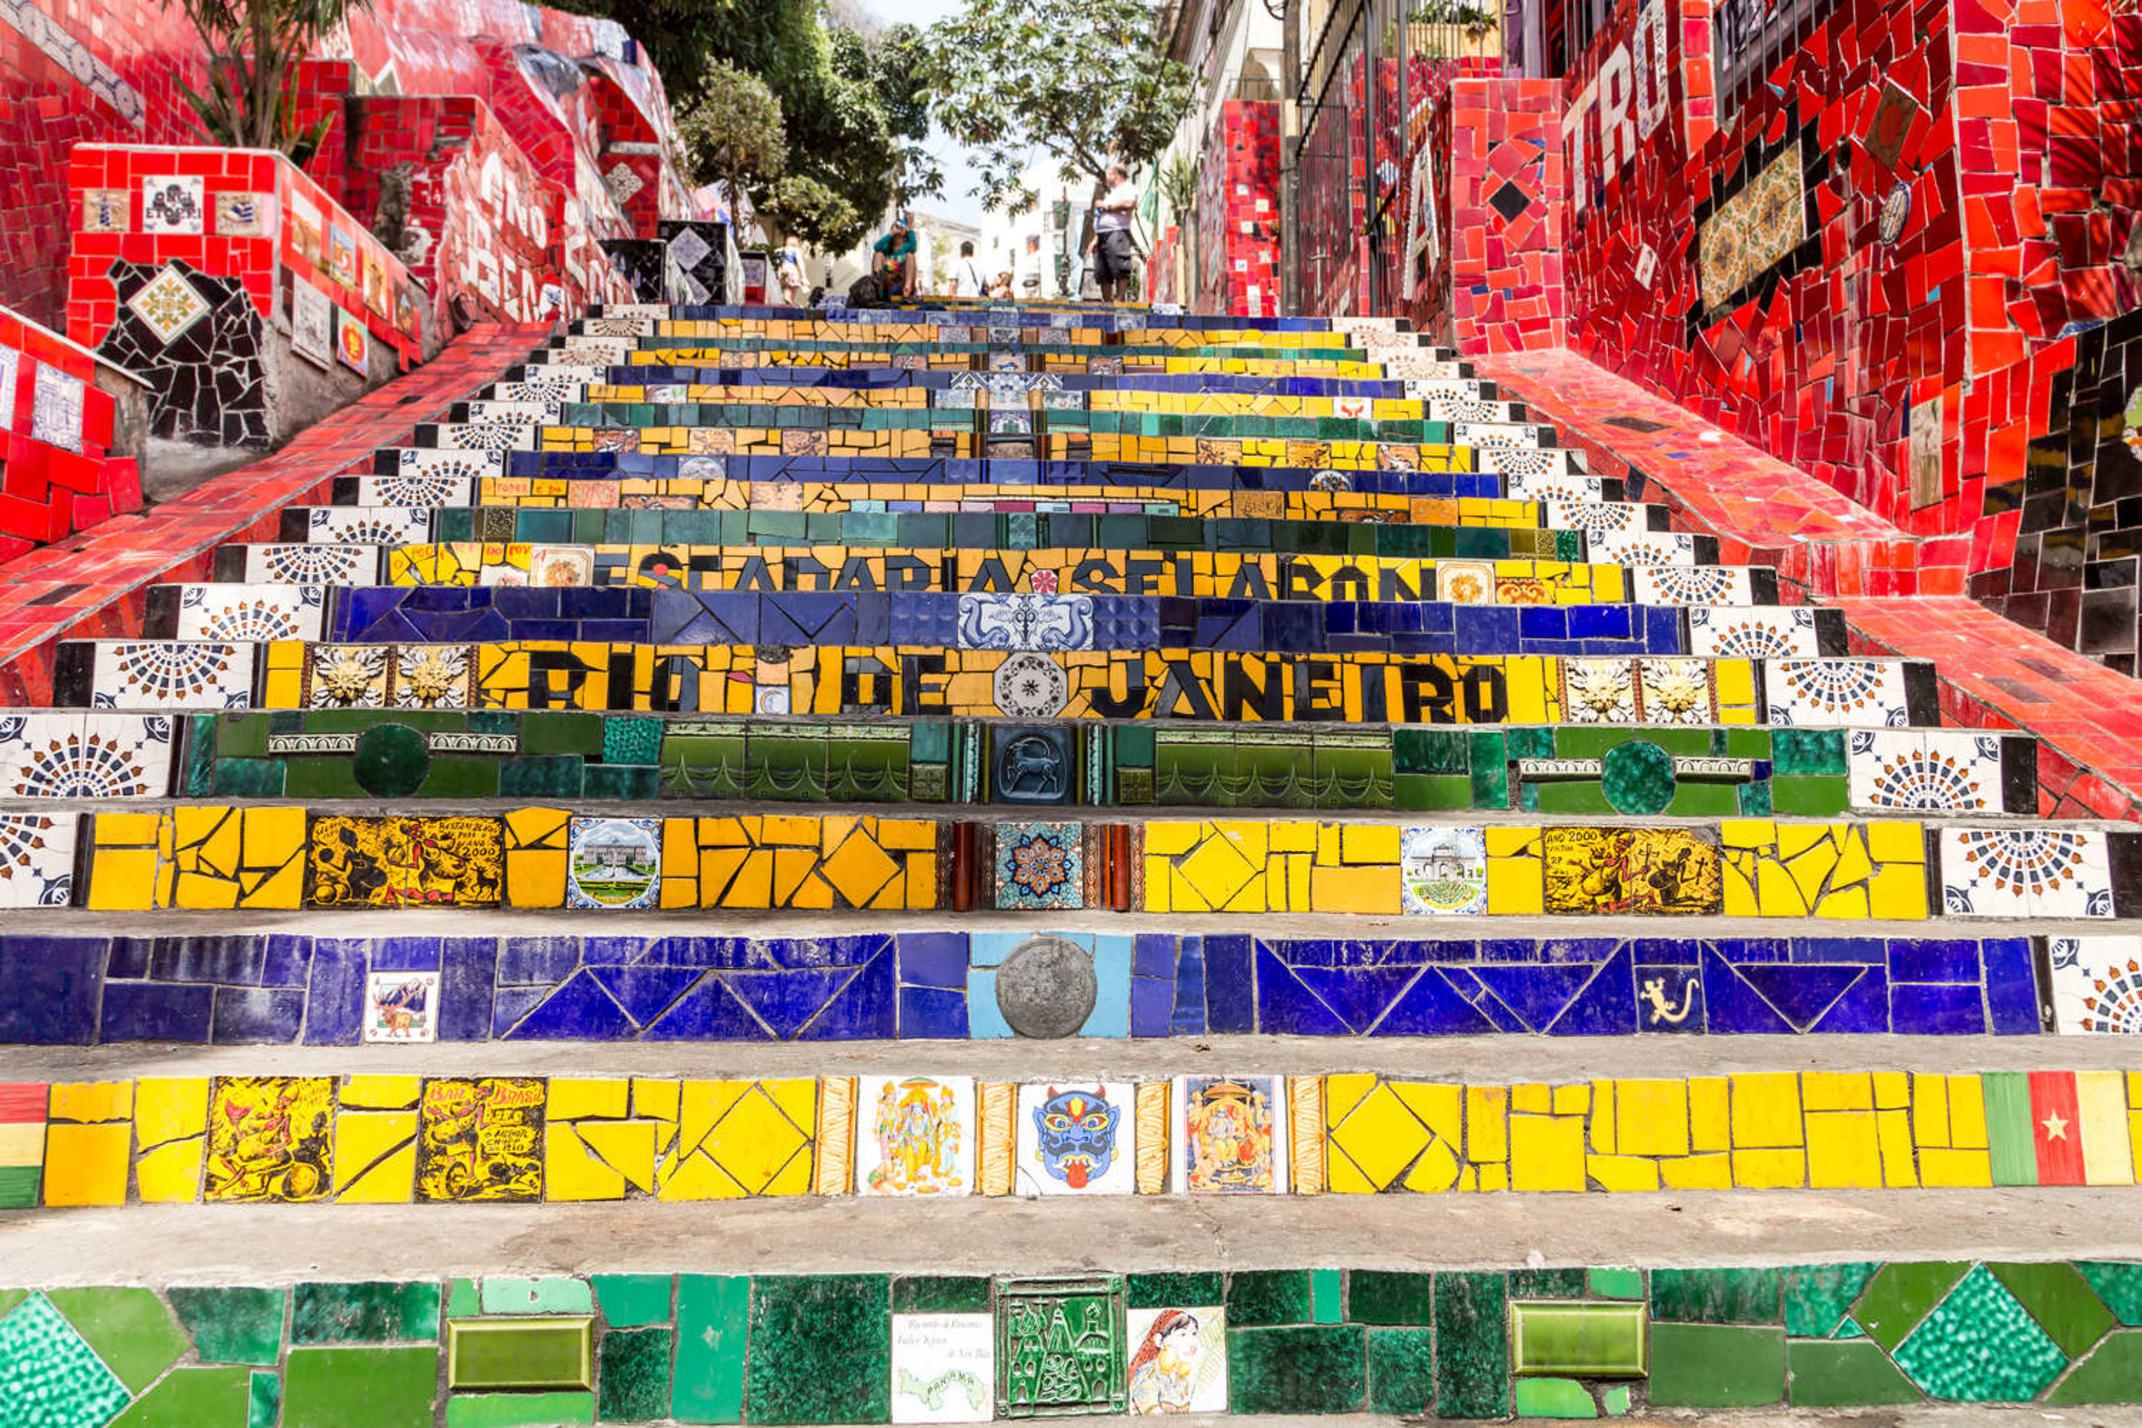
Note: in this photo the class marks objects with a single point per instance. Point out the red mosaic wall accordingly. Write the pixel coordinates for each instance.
(57, 473)
(1238, 213)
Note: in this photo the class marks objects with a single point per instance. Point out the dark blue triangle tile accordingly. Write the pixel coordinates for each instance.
(1732, 1006)
(786, 1000)
(1431, 1006)
(1536, 994)
(1607, 1004)
(1287, 1008)
(1801, 993)
(578, 1011)
(863, 1010)
(1358, 994)
(645, 992)
(708, 1012)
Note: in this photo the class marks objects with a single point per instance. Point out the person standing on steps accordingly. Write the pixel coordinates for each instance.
(1115, 255)
(966, 273)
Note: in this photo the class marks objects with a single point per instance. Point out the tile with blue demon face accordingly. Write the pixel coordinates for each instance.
(1077, 1138)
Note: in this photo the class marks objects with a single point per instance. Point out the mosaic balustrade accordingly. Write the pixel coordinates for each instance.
(404, 1139)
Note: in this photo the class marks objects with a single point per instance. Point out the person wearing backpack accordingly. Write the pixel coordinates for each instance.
(966, 274)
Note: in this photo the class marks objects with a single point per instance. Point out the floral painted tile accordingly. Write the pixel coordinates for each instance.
(2097, 984)
(2036, 871)
(1040, 866)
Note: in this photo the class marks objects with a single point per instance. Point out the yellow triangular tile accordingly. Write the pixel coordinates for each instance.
(697, 1178)
(572, 1172)
(170, 1174)
(627, 1146)
(701, 1105)
(364, 1169)
(797, 1096)
(1343, 1092)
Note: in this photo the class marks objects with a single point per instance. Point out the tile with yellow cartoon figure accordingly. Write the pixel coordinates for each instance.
(270, 1139)
(481, 1139)
(454, 861)
(1632, 870)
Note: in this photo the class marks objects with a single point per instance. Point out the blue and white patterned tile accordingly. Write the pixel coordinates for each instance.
(613, 862)
(171, 674)
(2038, 871)
(2097, 985)
(1690, 585)
(289, 564)
(232, 612)
(1836, 693)
(1026, 622)
(1924, 770)
(66, 754)
(37, 859)
(367, 525)
(1442, 871)
(1754, 632)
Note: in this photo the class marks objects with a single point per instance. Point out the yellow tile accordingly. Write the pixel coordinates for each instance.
(1708, 1121)
(1486, 1131)
(90, 1101)
(1492, 1178)
(2134, 1090)
(1955, 1169)
(380, 1093)
(1837, 1091)
(1354, 890)
(1769, 1169)
(1603, 1118)
(535, 877)
(1843, 1151)
(574, 1098)
(1652, 1117)
(1516, 885)
(1505, 841)
(1697, 1172)
(1436, 1170)
(22, 1143)
(375, 1157)
(755, 1140)
(1893, 1129)
(2108, 1155)
(573, 1172)
(1623, 1172)
(1757, 833)
(1343, 1092)
(1573, 1099)
(1766, 1110)
(1776, 893)
(1967, 1113)
(1369, 843)
(170, 1173)
(123, 879)
(1546, 1152)
(169, 1108)
(1930, 1110)
(86, 1165)
(1532, 1097)
(1892, 1091)
(1898, 893)
(1379, 1136)
(1440, 1106)
(1893, 841)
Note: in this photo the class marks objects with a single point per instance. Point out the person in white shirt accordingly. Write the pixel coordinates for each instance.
(1115, 255)
(966, 276)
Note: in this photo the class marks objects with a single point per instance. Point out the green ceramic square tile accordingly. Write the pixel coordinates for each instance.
(2060, 1299)
(630, 1300)
(2119, 1284)
(1979, 1345)
(1375, 1296)
(1715, 1296)
(44, 1361)
(1059, 1346)
(481, 776)
(1327, 1296)
(940, 1294)
(520, 1353)
(1898, 1296)
(1582, 1340)
(1817, 1297)
(232, 1326)
(462, 1300)
(1547, 1284)
(244, 778)
(1752, 800)
(1810, 797)
(635, 1375)
(1164, 1291)
(1432, 793)
(19, 1186)
(1472, 1356)
(1299, 1370)
(365, 1313)
(821, 1349)
(510, 1294)
(1615, 1400)
(359, 1387)
(519, 1410)
(193, 1398)
(1401, 1371)
(1716, 1366)
(2111, 1374)
(130, 1329)
(539, 776)
(1807, 751)
(1554, 1398)
(1853, 1374)
(1267, 1296)
(264, 1400)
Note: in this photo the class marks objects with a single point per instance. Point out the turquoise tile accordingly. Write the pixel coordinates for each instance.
(49, 1376)
(1980, 1346)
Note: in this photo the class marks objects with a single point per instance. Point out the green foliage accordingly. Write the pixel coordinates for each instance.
(1178, 185)
(253, 47)
(1084, 80)
(802, 206)
(734, 134)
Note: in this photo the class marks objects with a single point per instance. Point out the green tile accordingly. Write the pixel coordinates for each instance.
(1375, 1296)
(1310, 1368)
(1472, 1356)
(9, 1298)
(193, 1398)
(940, 1294)
(1554, 1398)
(508, 1294)
(366, 1313)
(43, 1360)
(1807, 751)
(1615, 1400)
(1817, 1296)
(635, 1375)
(712, 1312)
(130, 1329)
(1586, 1340)
(1401, 1371)
(359, 1387)
(1617, 1283)
(1715, 1296)
(232, 1326)
(1845, 1375)
(2119, 1284)
(518, 1410)
(2060, 1299)
(264, 1400)
(1326, 1296)
(1980, 1346)
(462, 1300)
(1547, 1284)
(821, 1349)
(520, 1353)
(1898, 1296)
(630, 1300)
(1267, 1296)
(1716, 1366)
(1169, 1291)
(2111, 1374)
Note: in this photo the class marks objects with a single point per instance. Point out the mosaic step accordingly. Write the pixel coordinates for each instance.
(1557, 769)
(210, 857)
(1229, 575)
(405, 1139)
(711, 1347)
(413, 614)
(235, 986)
(560, 381)
(832, 681)
(1126, 359)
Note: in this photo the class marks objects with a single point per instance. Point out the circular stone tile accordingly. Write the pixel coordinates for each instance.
(1046, 988)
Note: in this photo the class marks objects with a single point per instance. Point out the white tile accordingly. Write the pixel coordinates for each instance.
(2097, 985)
(1230, 1135)
(914, 1136)
(1076, 1138)
(2035, 871)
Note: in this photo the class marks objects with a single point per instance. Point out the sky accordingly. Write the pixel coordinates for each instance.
(956, 202)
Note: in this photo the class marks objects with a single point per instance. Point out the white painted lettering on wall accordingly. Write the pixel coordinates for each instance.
(1621, 107)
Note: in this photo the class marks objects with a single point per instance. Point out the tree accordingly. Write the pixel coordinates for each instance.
(1084, 80)
(801, 206)
(733, 134)
(253, 45)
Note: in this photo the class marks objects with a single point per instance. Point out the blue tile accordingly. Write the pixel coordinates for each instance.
(1919, 1009)
(405, 954)
(1287, 1007)
(1607, 1004)
(136, 1011)
(289, 960)
(1188, 1018)
(786, 1001)
(129, 957)
(1535, 995)
(645, 992)
(1864, 1007)
(863, 1010)
(2011, 986)
(258, 1015)
(228, 961)
(933, 1013)
(1151, 1007)
(933, 959)
(1917, 959)
(48, 989)
(466, 983)
(1732, 1007)
(578, 1011)
(334, 1007)
(1230, 987)
(532, 961)
(1153, 955)
(1433, 1006)
(1680, 989)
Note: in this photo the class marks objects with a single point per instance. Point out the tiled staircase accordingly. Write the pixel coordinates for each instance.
(1034, 675)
